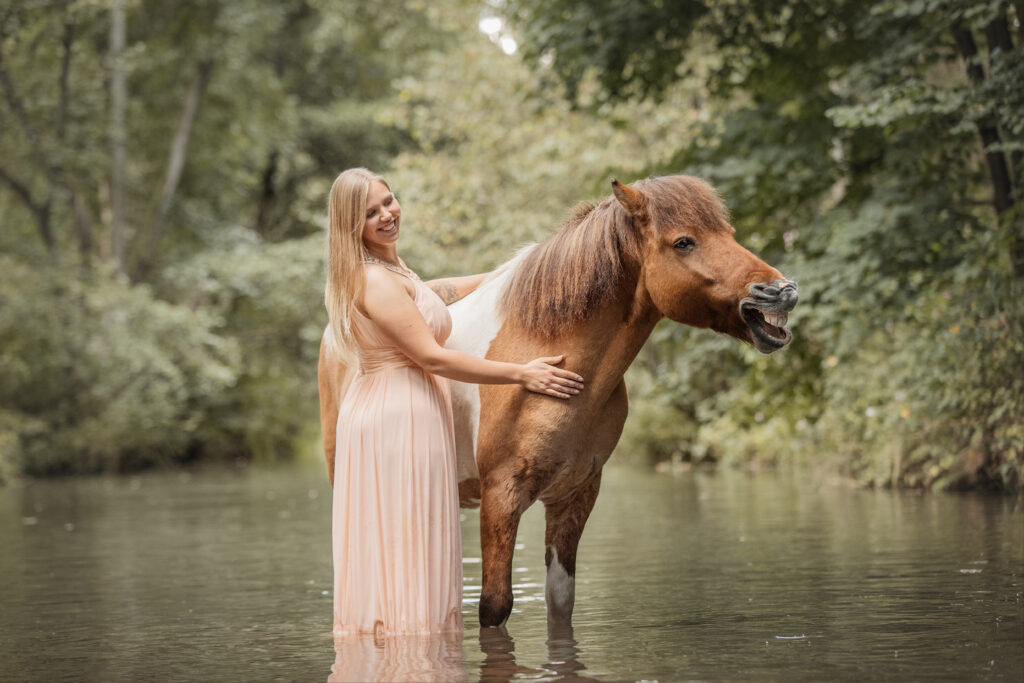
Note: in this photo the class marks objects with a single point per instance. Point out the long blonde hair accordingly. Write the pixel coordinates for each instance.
(346, 210)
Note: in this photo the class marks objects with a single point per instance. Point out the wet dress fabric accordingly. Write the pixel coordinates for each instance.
(396, 538)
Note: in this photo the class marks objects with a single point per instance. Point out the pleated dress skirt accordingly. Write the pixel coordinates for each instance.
(397, 544)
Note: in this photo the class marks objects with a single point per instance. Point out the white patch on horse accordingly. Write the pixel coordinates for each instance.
(476, 320)
(559, 588)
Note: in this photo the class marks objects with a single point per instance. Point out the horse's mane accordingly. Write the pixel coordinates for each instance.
(564, 278)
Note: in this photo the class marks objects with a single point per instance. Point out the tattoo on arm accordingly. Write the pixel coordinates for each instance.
(447, 291)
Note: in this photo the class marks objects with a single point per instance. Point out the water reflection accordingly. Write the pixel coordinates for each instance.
(441, 657)
(415, 658)
(563, 654)
(499, 663)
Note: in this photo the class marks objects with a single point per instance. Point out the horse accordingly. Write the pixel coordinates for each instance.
(593, 291)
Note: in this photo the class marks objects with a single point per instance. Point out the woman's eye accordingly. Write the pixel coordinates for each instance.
(387, 202)
(371, 214)
(684, 243)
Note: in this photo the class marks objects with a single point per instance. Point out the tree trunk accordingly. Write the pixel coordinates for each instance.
(83, 226)
(997, 34)
(62, 82)
(267, 192)
(118, 238)
(79, 207)
(175, 166)
(1002, 187)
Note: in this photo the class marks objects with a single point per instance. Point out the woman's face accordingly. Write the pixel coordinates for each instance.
(382, 216)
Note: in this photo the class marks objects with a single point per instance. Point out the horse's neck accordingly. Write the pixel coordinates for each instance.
(606, 345)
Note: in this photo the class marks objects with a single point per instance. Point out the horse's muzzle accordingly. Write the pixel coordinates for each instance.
(765, 311)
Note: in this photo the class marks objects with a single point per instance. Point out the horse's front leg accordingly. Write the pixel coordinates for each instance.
(565, 521)
(501, 505)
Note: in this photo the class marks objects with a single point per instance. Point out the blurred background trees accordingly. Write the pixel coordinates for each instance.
(165, 169)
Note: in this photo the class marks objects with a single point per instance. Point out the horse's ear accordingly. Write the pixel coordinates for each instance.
(633, 200)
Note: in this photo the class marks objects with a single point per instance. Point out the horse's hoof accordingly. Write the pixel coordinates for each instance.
(494, 612)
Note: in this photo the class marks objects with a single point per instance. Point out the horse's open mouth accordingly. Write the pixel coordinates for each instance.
(767, 328)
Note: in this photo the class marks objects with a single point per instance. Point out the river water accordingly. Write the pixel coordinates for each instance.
(226, 575)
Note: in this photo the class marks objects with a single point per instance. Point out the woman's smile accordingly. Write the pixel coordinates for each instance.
(383, 214)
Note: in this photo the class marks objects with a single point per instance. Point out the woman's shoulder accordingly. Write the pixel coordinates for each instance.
(383, 281)
(380, 274)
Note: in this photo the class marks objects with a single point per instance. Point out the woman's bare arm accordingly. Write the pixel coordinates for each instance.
(451, 289)
(387, 302)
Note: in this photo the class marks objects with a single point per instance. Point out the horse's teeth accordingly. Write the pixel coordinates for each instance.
(777, 319)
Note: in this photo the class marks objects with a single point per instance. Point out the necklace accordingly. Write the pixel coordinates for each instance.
(399, 267)
(370, 258)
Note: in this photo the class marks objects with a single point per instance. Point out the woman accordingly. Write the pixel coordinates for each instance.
(396, 537)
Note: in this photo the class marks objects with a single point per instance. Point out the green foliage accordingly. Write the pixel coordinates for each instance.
(97, 375)
(268, 300)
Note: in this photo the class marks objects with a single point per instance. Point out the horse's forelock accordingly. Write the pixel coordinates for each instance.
(685, 200)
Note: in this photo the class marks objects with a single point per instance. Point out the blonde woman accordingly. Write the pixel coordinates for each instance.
(397, 544)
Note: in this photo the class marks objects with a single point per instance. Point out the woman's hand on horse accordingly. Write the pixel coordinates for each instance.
(541, 375)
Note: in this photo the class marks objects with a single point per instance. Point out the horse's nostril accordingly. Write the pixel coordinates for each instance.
(789, 294)
(764, 291)
(779, 291)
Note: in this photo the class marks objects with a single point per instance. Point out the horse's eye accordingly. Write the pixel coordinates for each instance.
(684, 244)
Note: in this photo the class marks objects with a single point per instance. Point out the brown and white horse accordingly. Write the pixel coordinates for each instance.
(594, 292)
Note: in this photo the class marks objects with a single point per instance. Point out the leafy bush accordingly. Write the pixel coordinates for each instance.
(97, 375)
(268, 299)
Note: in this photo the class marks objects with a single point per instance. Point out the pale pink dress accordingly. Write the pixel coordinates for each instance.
(396, 538)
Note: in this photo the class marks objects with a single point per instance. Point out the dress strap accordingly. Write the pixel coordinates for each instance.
(400, 268)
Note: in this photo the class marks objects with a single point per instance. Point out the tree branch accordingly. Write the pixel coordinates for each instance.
(175, 166)
(16, 105)
(41, 211)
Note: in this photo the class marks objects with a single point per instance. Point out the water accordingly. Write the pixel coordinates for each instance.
(227, 576)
